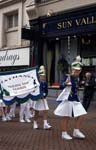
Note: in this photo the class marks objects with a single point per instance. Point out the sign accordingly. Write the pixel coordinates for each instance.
(70, 24)
(15, 57)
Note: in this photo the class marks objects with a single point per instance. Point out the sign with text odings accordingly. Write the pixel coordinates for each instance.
(15, 57)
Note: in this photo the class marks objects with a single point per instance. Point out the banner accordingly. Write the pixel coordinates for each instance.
(20, 86)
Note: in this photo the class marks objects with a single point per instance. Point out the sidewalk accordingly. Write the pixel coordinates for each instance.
(21, 136)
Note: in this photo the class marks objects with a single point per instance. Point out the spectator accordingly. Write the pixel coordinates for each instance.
(89, 84)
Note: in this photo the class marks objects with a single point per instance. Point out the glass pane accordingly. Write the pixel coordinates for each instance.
(15, 20)
(10, 21)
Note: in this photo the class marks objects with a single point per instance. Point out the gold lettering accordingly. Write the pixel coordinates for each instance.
(89, 21)
(70, 23)
(93, 20)
(77, 22)
(59, 26)
(83, 21)
(64, 24)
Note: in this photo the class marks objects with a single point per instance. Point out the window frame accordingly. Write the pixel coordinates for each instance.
(13, 22)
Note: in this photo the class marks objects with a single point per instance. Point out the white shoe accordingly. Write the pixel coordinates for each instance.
(28, 120)
(22, 120)
(46, 126)
(8, 117)
(35, 125)
(4, 119)
(66, 136)
(12, 115)
(78, 134)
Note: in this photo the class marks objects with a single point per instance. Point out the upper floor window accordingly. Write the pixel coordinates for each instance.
(41, 1)
(12, 20)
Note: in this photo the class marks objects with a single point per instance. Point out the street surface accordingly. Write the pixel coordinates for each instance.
(21, 136)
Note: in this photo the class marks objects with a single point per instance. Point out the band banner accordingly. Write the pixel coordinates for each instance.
(20, 86)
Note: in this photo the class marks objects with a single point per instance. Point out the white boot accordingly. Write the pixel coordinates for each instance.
(46, 125)
(28, 120)
(4, 118)
(22, 120)
(78, 134)
(35, 125)
(66, 136)
(8, 117)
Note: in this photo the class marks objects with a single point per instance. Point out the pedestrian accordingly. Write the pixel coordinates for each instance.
(89, 84)
(70, 105)
(41, 105)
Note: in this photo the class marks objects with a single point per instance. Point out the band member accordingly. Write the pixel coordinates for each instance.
(24, 112)
(70, 105)
(41, 104)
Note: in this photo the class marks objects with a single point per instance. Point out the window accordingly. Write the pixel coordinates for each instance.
(41, 1)
(12, 21)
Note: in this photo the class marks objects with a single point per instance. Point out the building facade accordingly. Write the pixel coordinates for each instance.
(62, 30)
(48, 32)
(14, 51)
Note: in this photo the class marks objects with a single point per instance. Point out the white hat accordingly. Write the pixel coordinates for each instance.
(41, 70)
(77, 64)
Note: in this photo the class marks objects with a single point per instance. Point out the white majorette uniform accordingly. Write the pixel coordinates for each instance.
(70, 104)
(42, 103)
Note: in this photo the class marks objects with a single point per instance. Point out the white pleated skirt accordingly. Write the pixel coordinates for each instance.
(40, 105)
(70, 108)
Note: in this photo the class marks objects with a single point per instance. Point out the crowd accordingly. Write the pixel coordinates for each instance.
(69, 104)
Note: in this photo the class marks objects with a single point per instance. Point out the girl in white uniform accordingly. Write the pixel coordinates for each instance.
(70, 105)
(41, 105)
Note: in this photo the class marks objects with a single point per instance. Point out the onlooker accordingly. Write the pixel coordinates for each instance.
(89, 84)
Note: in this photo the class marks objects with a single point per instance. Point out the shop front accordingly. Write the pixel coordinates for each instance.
(14, 59)
(62, 37)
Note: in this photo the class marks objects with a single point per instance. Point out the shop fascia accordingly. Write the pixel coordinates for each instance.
(77, 22)
(16, 57)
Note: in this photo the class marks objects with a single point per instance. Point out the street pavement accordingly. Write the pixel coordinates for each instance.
(21, 136)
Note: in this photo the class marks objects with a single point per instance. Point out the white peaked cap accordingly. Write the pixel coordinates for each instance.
(77, 64)
(41, 70)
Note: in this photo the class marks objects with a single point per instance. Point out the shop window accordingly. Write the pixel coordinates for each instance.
(88, 46)
(88, 52)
